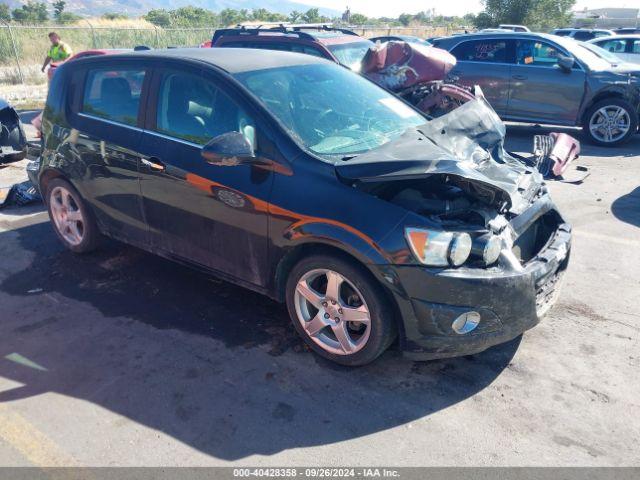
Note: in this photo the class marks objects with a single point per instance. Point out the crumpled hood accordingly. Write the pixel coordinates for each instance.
(467, 143)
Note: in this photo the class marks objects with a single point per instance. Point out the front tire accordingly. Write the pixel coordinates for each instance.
(339, 310)
(610, 122)
(71, 218)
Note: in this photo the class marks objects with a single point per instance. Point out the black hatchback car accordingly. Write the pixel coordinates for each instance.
(292, 176)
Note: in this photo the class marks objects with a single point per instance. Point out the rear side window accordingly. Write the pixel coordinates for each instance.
(491, 51)
(635, 47)
(113, 94)
(582, 36)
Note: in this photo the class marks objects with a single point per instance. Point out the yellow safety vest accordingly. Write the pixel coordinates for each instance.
(59, 52)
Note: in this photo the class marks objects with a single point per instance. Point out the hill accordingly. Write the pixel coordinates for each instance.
(140, 7)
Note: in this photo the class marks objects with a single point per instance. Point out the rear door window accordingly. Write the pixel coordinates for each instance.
(635, 46)
(490, 51)
(113, 94)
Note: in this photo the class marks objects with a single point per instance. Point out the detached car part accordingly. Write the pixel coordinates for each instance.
(13, 142)
(418, 74)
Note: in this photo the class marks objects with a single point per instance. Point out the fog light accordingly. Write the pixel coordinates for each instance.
(466, 322)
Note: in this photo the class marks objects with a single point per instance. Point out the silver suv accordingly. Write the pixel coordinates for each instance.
(540, 78)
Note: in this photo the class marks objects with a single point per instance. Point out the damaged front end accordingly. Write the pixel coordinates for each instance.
(13, 142)
(491, 243)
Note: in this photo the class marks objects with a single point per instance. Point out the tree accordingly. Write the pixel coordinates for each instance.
(294, 16)
(537, 14)
(229, 16)
(5, 13)
(114, 16)
(193, 17)
(159, 17)
(358, 19)
(58, 8)
(546, 15)
(405, 18)
(31, 12)
(313, 16)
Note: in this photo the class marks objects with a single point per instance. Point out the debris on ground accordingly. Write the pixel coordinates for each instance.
(19, 194)
(553, 156)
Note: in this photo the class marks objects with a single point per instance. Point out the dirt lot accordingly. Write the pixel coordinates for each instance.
(123, 358)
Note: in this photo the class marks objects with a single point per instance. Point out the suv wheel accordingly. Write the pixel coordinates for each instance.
(610, 122)
(71, 218)
(339, 311)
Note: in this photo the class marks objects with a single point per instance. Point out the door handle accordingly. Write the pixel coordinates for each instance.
(153, 163)
(519, 77)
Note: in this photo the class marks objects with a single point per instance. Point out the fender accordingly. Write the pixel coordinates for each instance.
(343, 237)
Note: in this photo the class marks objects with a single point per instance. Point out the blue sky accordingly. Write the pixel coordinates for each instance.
(393, 8)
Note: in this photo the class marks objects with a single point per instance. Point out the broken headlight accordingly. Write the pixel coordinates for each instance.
(437, 248)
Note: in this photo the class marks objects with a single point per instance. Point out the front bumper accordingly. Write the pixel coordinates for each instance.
(509, 301)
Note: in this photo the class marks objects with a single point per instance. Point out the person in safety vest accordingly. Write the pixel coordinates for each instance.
(58, 52)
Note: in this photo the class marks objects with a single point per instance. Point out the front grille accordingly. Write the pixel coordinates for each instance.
(534, 238)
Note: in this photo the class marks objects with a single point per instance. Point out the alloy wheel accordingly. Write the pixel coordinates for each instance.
(610, 123)
(332, 312)
(67, 215)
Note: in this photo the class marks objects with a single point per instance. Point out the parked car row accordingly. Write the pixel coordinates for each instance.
(526, 77)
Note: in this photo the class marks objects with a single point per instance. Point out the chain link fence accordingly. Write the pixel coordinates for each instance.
(23, 48)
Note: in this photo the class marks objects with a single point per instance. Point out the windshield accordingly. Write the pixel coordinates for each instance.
(586, 56)
(329, 110)
(350, 54)
(612, 58)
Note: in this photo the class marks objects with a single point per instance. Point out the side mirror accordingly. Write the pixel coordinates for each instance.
(228, 149)
(566, 63)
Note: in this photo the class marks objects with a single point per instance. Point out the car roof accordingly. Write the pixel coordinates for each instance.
(499, 34)
(632, 36)
(231, 60)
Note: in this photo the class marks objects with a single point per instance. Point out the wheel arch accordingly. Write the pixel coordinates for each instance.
(318, 247)
(45, 178)
(610, 93)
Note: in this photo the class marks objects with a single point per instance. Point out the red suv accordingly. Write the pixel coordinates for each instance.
(336, 44)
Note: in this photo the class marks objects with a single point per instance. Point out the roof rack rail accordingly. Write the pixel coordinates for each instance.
(286, 29)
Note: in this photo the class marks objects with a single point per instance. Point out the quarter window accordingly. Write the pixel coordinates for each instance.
(491, 51)
(113, 94)
(530, 52)
(194, 109)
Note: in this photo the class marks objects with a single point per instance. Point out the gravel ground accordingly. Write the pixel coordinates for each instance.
(123, 358)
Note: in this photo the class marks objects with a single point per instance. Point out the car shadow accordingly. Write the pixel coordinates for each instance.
(210, 364)
(520, 139)
(625, 208)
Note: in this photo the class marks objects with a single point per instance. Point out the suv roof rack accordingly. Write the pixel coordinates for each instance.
(282, 28)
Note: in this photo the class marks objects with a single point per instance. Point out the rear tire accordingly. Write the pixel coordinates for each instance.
(352, 323)
(71, 218)
(610, 122)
